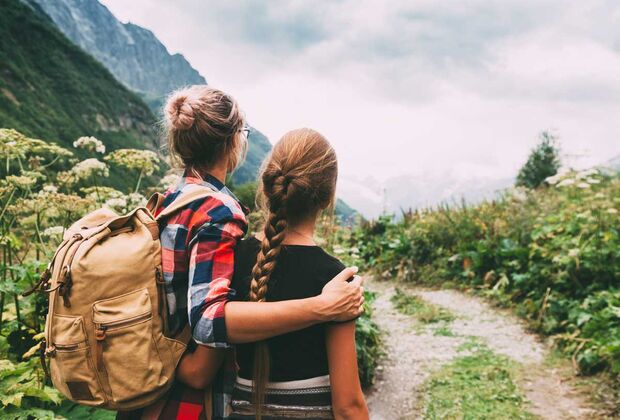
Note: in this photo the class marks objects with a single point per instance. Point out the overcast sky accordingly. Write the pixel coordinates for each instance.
(410, 86)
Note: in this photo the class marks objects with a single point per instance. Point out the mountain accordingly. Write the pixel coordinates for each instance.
(51, 89)
(372, 197)
(139, 60)
(132, 53)
(613, 163)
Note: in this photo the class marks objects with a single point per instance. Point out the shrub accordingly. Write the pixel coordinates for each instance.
(552, 253)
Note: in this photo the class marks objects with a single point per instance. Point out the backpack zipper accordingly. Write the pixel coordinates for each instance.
(66, 347)
(102, 327)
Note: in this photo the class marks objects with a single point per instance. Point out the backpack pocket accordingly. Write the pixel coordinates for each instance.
(71, 365)
(126, 349)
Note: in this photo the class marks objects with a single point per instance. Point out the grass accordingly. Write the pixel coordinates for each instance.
(478, 385)
(425, 312)
(443, 331)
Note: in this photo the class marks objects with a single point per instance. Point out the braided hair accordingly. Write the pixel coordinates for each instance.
(298, 179)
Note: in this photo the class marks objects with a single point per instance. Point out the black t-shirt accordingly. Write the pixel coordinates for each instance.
(301, 272)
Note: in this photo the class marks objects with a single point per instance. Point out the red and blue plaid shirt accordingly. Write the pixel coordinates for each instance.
(198, 260)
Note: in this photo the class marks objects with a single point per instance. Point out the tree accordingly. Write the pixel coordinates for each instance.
(543, 162)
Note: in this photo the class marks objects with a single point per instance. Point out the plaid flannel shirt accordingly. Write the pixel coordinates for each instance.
(198, 260)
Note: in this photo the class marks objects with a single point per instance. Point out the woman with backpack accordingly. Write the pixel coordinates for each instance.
(207, 135)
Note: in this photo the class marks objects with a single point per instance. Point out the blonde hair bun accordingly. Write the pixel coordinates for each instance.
(204, 124)
(179, 111)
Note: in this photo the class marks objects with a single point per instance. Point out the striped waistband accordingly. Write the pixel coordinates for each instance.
(318, 382)
(306, 398)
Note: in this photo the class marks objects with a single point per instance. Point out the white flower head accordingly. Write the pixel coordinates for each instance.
(169, 180)
(135, 200)
(566, 182)
(89, 143)
(116, 204)
(519, 194)
(583, 185)
(586, 174)
(51, 189)
(89, 167)
(53, 231)
(612, 211)
(21, 181)
(554, 179)
(573, 253)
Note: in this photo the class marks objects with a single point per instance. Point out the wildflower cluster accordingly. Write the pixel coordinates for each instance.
(144, 161)
(89, 143)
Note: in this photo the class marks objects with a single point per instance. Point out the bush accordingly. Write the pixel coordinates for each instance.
(368, 343)
(553, 253)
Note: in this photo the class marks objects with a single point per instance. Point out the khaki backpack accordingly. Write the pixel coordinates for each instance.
(105, 333)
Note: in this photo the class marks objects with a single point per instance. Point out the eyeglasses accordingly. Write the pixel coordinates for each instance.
(246, 132)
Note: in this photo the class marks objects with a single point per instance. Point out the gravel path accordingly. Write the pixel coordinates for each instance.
(413, 352)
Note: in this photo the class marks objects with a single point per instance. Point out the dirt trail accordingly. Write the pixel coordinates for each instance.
(414, 352)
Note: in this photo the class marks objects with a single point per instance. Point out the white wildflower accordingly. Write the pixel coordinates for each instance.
(136, 200)
(599, 195)
(519, 194)
(573, 253)
(118, 204)
(10, 144)
(583, 185)
(51, 189)
(53, 231)
(169, 180)
(566, 183)
(144, 161)
(612, 211)
(21, 181)
(554, 179)
(338, 250)
(89, 143)
(586, 174)
(89, 167)
(593, 181)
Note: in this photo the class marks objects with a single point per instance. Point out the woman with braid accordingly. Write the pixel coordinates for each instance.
(310, 373)
(207, 136)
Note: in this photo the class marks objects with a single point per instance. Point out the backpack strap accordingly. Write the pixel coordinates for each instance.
(180, 202)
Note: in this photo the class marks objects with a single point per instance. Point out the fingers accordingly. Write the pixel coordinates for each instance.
(357, 281)
(346, 274)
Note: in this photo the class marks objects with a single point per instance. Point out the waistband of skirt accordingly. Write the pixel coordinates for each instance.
(317, 382)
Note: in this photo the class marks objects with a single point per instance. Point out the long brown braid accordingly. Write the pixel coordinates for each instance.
(297, 180)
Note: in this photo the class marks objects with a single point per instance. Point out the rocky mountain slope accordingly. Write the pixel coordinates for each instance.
(132, 53)
(139, 60)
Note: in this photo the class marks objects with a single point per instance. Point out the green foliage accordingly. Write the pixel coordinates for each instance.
(42, 191)
(50, 88)
(246, 193)
(425, 312)
(552, 253)
(368, 343)
(542, 163)
(480, 385)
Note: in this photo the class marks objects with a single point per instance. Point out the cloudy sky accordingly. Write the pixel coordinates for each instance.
(417, 87)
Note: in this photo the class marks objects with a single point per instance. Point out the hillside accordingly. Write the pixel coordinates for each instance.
(50, 88)
(139, 60)
(132, 53)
